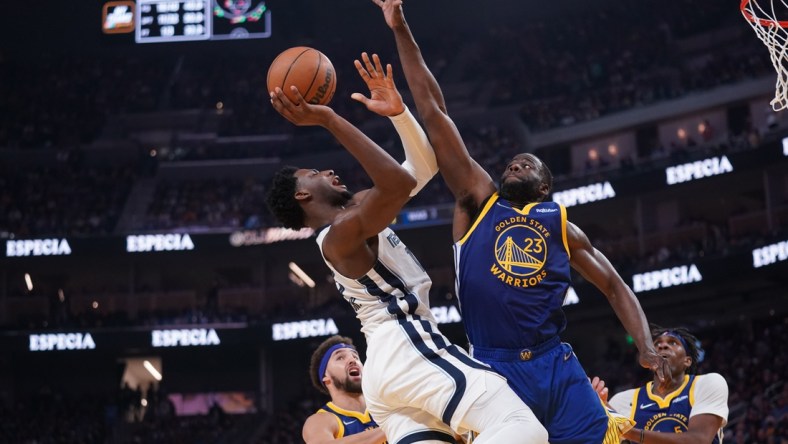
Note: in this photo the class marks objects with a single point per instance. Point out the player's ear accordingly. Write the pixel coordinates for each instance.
(544, 189)
(687, 362)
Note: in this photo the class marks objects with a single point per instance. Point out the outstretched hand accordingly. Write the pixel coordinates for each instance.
(392, 12)
(659, 365)
(384, 99)
(299, 112)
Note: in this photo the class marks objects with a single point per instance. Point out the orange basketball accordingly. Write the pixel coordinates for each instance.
(307, 69)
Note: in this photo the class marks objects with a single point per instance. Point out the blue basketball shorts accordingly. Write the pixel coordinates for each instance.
(550, 379)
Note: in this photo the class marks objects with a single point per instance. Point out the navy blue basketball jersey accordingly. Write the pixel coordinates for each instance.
(513, 272)
(668, 415)
(349, 422)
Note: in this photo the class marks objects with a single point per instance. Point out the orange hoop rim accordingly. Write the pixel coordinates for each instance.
(760, 21)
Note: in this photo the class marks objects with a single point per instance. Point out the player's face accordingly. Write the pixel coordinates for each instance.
(323, 186)
(522, 179)
(345, 368)
(670, 348)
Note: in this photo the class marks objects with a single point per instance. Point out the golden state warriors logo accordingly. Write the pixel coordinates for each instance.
(670, 423)
(520, 251)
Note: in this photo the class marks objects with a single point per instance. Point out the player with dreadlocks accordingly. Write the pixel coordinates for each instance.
(688, 408)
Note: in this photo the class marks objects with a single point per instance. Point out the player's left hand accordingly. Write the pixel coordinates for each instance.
(384, 99)
(659, 365)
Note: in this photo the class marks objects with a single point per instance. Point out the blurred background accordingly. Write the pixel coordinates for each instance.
(147, 295)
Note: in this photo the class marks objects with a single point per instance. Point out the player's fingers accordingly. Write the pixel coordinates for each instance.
(299, 97)
(361, 70)
(389, 71)
(659, 372)
(378, 65)
(285, 101)
(368, 64)
(278, 99)
(358, 97)
(275, 102)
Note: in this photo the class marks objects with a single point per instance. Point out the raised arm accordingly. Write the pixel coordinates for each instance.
(385, 100)
(595, 268)
(467, 180)
(380, 204)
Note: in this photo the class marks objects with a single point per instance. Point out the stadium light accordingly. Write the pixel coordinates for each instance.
(301, 274)
(29, 282)
(152, 370)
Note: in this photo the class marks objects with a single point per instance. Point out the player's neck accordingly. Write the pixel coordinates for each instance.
(349, 401)
(324, 216)
(672, 385)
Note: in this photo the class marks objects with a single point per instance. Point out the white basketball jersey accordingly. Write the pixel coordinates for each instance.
(397, 286)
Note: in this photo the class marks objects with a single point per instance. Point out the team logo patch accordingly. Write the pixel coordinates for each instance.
(520, 251)
(667, 422)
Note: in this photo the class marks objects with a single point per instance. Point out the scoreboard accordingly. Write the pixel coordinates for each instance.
(172, 21)
(158, 21)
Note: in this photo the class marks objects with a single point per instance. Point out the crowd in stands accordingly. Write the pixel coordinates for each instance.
(66, 199)
(127, 417)
(569, 68)
(51, 417)
(64, 101)
(212, 204)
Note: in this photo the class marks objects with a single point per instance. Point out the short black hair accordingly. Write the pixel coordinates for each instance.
(281, 199)
(317, 356)
(692, 343)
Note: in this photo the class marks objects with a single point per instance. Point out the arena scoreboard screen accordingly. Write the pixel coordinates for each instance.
(161, 21)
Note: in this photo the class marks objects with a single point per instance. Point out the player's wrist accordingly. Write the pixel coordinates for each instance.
(399, 114)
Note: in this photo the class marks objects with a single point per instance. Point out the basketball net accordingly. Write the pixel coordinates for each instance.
(761, 16)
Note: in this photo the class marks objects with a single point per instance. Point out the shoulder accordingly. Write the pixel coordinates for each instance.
(622, 401)
(320, 426)
(711, 382)
(710, 396)
(321, 420)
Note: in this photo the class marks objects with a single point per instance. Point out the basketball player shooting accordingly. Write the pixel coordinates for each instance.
(416, 383)
(513, 253)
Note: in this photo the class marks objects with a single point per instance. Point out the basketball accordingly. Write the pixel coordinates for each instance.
(307, 69)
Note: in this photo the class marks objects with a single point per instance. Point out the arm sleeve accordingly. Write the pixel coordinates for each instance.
(622, 402)
(711, 396)
(419, 156)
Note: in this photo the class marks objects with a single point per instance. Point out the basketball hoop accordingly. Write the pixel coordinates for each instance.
(773, 32)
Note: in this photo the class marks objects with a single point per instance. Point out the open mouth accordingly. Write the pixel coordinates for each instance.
(354, 372)
(336, 182)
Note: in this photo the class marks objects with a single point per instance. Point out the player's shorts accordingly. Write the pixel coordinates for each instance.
(418, 385)
(550, 379)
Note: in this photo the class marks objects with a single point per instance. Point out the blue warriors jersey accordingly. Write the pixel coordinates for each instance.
(513, 272)
(349, 422)
(668, 415)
